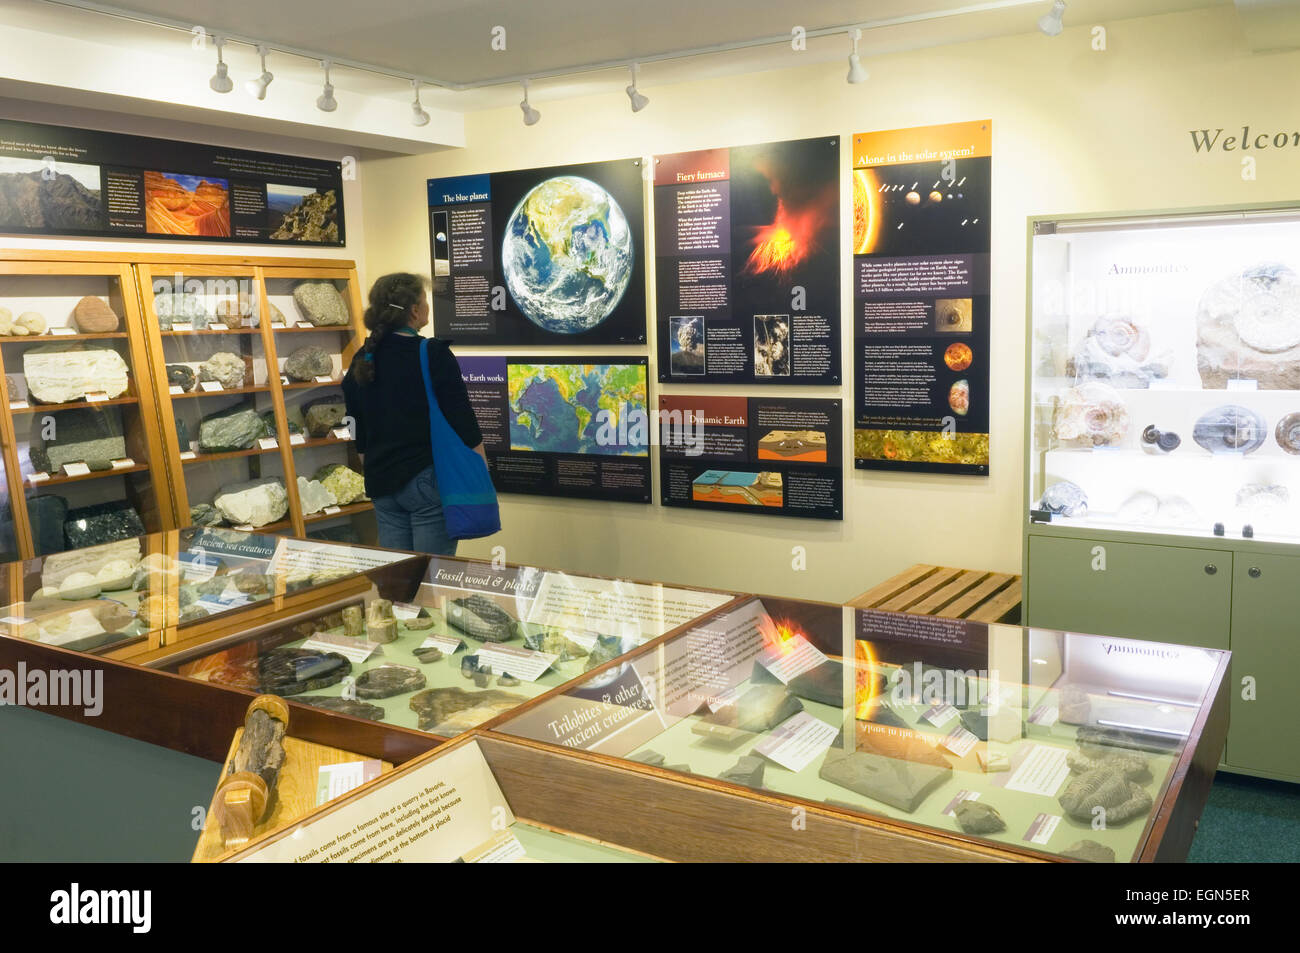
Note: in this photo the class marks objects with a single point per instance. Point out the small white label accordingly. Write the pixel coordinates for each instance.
(405, 610)
(297, 439)
(1243, 384)
(188, 454)
(63, 331)
(959, 741)
(335, 780)
(123, 464)
(38, 477)
(797, 740)
(175, 389)
(791, 658)
(520, 663)
(277, 326)
(962, 795)
(16, 620)
(940, 715)
(342, 433)
(445, 644)
(268, 443)
(331, 510)
(723, 699)
(216, 326)
(76, 469)
(96, 395)
(182, 327)
(284, 378)
(245, 527)
(1042, 771)
(324, 379)
(502, 849)
(210, 386)
(17, 405)
(1040, 831)
(1162, 385)
(305, 324)
(354, 650)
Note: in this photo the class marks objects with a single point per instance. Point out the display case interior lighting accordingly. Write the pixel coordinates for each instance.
(257, 87)
(326, 102)
(1191, 220)
(531, 115)
(221, 81)
(857, 74)
(1053, 21)
(638, 101)
(418, 116)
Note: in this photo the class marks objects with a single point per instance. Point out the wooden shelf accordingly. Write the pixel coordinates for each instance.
(320, 442)
(348, 510)
(59, 480)
(302, 385)
(51, 338)
(227, 455)
(198, 392)
(43, 408)
(344, 328)
(185, 334)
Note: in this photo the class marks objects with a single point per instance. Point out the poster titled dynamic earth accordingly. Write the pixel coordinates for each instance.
(921, 207)
(540, 256)
(747, 264)
(56, 180)
(574, 427)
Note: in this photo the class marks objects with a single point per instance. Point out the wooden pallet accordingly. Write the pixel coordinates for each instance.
(973, 594)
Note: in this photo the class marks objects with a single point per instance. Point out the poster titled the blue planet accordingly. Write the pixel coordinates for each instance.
(541, 256)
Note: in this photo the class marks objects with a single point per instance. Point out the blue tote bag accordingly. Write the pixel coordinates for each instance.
(469, 500)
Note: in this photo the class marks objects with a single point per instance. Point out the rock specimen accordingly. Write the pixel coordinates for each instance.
(506, 680)
(448, 711)
(1230, 429)
(823, 684)
(158, 611)
(225, 367)
(320, 303)
(381, 624)
(48, 514)
(1092, 413)
(92, 315)
(354, 622)
(348, 486)
(387, 680)
(1132, 764)
(1141, 507)
(252, 583)
(313, 496)
(1116, 350)
(116, 575)
(343, 706)
(205, 514)
(179, 309)
(1248, 327)
(308, 363)
(427, 654)
(254, 503)
(1065, 498)
(93, 437)
(481, 618)
(655, 759)
(192, 614)
(1075, 706)
(235, 428)
(79, 585)
(976, 817)
(62, 373)
(747, 771)
(1090, 852)
(314, 219)
(608, 648)
(11, 388)
(1286, 433)
(761, 708)
(286, 671)
(324, 415)
(419, 623)
(1097, 741)
(29, 323)
(1120, 799)
(900, 773)
(1262, 501)
(101, 523)
(182, 376)
(554, 642)
(261, 748)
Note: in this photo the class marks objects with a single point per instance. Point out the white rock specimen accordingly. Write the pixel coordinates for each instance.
(255, 503)
(92, 559)
(115, 575)
(224, 366)
(314, 496)
(79, 585)
(32, 322)
(59, 374)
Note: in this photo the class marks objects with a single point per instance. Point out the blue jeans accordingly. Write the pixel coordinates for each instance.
(412, 519)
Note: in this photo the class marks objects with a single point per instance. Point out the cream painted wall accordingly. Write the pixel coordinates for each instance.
(1074, 131)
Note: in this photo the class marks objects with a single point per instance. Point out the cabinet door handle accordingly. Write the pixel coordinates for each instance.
(1211, 569)
(1254, 572)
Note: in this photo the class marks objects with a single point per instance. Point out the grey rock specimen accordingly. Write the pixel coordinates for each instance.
(427, 654)
(205, 514)
(343, 706)
(354, 622)
(419, 623)
(225, 367)
(483, 677)
(1065, 498)
(387, 680)
(1230, 429)
(320, 303)
(554, 642)
(823, 684)
(180, 308)
(1090, 852)
(101, 523)
(1096, 741)
(63, 373)
(48, 514)
(93, 437)
(976, 817)
(655, 759)
(182, 376)
(1106, 788)
(287, 671)
(236, 428)
(183, 438)
(747, 771)
(761, 708)
(481, 618)
(1248, 327)
(450, 711)
(898, 782)
(308, 363)
(381, 624)
(193, 614)
(1116, 350)
(252, 583)
(323, 415)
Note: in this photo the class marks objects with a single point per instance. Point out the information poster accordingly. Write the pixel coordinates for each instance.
(572, 427)
(747, 264)
(921, 203)
(540, 256)
(56, 180)
(779, 456)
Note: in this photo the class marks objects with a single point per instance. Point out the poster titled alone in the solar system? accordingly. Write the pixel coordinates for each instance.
(540, 256)
(747, 264)
(571, 427)
(921, 201)
(777, 456)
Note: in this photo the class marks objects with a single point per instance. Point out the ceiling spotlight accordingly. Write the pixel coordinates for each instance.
(856, 73)
(418, 116)
(221, 81)
(531, 115)
(326, 102)
(638, 101)
(257, 87)
(1053, 22)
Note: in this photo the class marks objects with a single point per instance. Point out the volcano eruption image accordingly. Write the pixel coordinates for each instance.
(176, 204)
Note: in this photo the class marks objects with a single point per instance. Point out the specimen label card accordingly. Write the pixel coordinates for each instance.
(446, 644)
(504, 848)
(1040, 831)
(959, 741)
(575, 427)
(540, 256)
(776, 456)
(355, 650)
(962, 795)
(521, 663)
(747, 264)
(940, 715)
(333, 780)
(791, 658)
(797, 741)
(921, 241)
(1041, 772)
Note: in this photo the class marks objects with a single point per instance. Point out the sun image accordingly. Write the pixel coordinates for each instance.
(866, 211)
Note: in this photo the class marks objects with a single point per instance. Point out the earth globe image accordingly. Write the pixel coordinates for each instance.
(567, 254)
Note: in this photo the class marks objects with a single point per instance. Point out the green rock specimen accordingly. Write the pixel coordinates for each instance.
(324, 415)
(309, 363)
(747, 771)
(348, 486)
(554, 642)
(1090, 852)
(236, 428)
(93, 437)
(976, 817)
(204, 514)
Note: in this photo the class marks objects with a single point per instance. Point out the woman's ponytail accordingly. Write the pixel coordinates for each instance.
(392, 298)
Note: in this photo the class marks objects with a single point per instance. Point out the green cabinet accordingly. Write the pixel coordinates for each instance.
(1265, 733)
(1161, 593)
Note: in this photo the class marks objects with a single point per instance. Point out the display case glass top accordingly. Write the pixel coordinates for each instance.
(460, 646)
(1032, 741)
(1165, 374)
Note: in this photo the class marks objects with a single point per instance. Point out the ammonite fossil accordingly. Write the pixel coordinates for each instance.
(1116, 349)
(1120, 799)
(1093, 412)
(1230, 428)
(1248, 327)
(1262, 500)
(1287, 433)
(1065, 498)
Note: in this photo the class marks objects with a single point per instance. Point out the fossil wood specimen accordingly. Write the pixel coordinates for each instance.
(261, 749)
(385, 681)
(481, 618)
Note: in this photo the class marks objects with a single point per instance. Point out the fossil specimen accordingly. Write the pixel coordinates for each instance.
(554, 642)
(385, 681)
(419, 623)
(354, 624)
(1261, 501)
(976, 817)
(1132, 764)
(1230, 429)
(1287, 433)
(1090, 851)
(1115, 350)
(381, 624)
(1075, 707)
(1092, 413)
(900, 771)
(1108, 789)
(1248, 327)
(481, 618)
(261, 747)
(427, 654)
(1096, 741)
(453, 710)
(286, 671)
(1065, 498)
(344, 706)
(747, 771)
(1158, 441)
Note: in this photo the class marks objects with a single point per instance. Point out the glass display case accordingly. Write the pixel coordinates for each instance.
(79, 416)
(462, 646)
(1037, 743)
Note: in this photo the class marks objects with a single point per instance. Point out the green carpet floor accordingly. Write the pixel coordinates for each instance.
(1249, 820)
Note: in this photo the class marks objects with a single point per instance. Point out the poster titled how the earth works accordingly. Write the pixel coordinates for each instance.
(747, 264)
(921, 204)
(540, 256)
(775, 456)
(60, 181)
(573, 427)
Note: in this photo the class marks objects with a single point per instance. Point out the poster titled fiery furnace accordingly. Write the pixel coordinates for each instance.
(747, 244)
(921, 201)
